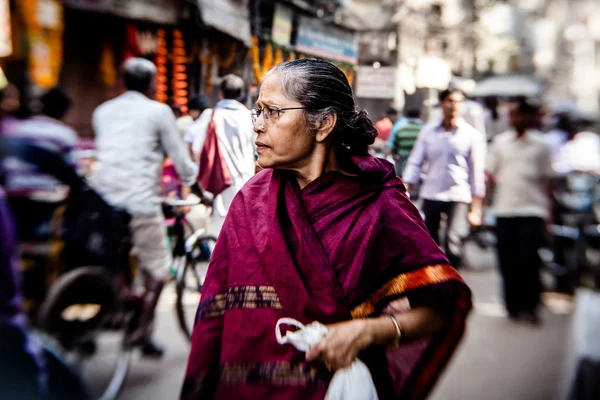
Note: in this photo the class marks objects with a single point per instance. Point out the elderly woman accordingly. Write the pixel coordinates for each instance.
(324, 233)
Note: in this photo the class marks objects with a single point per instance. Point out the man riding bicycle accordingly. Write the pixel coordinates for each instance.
(133, 135)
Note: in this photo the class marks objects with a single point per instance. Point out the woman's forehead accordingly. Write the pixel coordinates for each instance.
(270, 88)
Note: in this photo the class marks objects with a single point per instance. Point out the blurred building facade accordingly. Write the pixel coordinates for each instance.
(394, 52)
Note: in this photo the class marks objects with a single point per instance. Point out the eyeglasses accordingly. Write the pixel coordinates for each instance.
(268, 112)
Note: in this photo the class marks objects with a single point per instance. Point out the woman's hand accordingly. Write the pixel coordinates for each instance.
(339, 348)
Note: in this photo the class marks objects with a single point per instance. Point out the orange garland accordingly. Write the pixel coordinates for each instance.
(107, 73)
(161, 67)
(179, 79)
(46, 45)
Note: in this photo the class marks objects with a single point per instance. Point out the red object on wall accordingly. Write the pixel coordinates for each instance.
(132, 47)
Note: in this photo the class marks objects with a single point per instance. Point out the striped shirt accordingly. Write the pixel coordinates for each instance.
(405, 136)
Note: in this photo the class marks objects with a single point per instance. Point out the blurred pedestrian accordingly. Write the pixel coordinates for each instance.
(519, 162)
(471, 111)
(133, 134)
(197, 105)
(33, 195)
(564, 129)
(403, 138)
(496, 117)
(235, 139)
(454, 183)
(384, 128)
(324, 233)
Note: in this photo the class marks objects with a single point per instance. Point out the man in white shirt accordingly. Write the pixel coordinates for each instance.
(235, 136)
(519, 162)
(133, 135)
(454, 184)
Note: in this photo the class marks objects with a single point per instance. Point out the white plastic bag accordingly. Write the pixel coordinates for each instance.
(351, 383)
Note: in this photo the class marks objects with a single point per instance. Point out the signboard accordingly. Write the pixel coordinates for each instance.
(160, 11)
(281, 33)
(375, 83)
(5, 35)
(229, 16)
(328, 42)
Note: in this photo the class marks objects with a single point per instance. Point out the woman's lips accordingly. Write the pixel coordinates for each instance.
(260, 146)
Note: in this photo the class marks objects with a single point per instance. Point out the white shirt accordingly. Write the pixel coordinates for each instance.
(582, 153)
(523, 169)
(455, 163)
(133, 134)
(236, 140)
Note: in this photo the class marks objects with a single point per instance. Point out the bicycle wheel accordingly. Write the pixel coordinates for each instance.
(190, 278)
(79, 313)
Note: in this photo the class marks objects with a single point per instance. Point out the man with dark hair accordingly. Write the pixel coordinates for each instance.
(55, 103)
(196, 107)
(235, 135)
(454, 183)
(133, 134)
(47, 130)
(519, 162)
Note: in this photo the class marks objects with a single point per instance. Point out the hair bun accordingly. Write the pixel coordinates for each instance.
(359, 133)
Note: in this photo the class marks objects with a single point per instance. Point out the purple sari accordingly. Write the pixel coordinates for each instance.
(341, 248)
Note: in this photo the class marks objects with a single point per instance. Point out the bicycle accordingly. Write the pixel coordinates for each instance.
(83, 296)
(191, 255)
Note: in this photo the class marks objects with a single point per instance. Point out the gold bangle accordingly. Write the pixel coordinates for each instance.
(398, 330)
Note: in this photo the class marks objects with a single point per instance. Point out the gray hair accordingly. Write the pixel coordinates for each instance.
(138, 73)
(323, 90)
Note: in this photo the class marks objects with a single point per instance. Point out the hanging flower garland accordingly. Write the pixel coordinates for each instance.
(278, 56)
(45, 43)
(108, 72)
(226, 62)
(179, 80)
(161, 66)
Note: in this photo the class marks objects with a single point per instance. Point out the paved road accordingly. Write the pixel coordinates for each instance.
(498, 360)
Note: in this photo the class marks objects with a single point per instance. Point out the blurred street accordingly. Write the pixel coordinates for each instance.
(506, 359)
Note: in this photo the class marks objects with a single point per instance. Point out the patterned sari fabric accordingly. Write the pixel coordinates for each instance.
(343, 247)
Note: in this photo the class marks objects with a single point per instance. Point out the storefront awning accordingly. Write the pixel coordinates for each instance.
(229, 16)
(159, 11)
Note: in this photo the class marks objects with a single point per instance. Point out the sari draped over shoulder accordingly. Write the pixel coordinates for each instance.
(342, 247)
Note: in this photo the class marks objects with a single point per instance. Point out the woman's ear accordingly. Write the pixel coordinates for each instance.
(326, 126)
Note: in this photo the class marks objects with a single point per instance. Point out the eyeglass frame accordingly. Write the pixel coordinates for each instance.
(254, 113)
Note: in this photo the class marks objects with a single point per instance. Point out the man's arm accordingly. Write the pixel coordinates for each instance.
(477, 178)
(174, 147)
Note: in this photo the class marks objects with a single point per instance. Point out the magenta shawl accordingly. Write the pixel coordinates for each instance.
(343, 247)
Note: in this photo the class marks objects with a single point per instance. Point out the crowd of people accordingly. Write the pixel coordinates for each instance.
(503, 158)
(325, 233)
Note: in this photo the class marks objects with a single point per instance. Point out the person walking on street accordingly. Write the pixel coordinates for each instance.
(403, 138)
(384, 128)
(235, 137)
(309, 238)
(196, 105)
(454, 184)
(133, 134)
(519, 162)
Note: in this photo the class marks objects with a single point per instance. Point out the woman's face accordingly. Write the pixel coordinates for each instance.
(284, 141)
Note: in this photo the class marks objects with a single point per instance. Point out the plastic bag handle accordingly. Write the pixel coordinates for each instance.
(286, 321)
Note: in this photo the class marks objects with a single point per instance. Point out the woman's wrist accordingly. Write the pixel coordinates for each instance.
(381, 331)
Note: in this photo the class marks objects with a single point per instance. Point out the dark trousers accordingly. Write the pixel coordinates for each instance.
(457, 226)
(519, 239)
